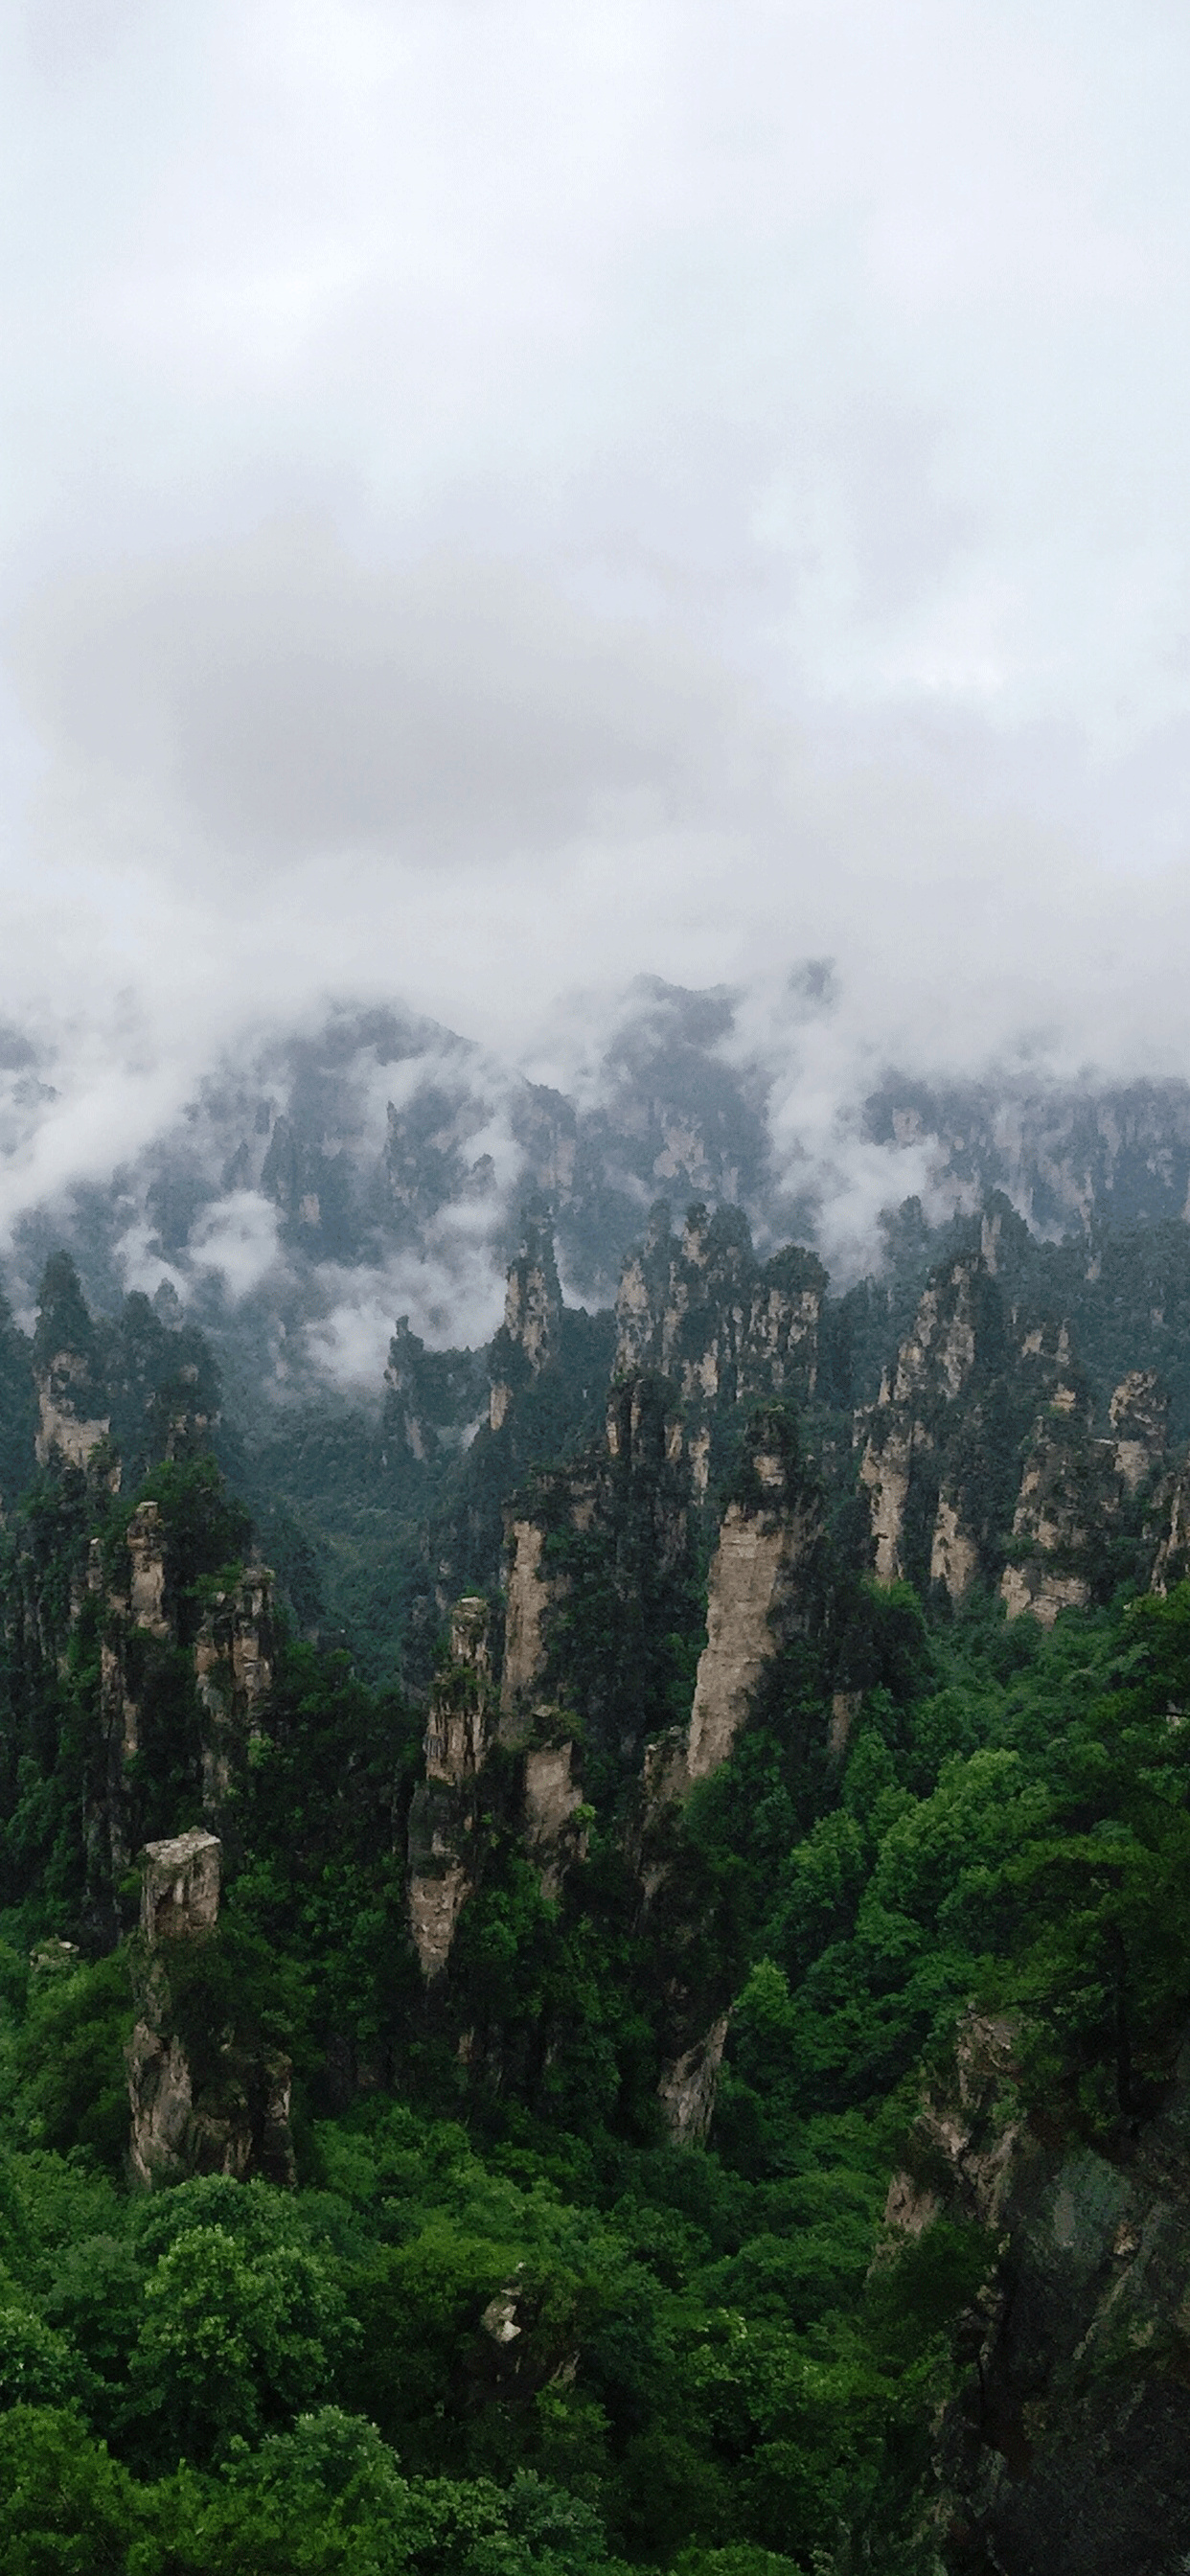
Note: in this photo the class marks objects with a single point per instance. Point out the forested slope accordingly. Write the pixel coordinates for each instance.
(665, 2048)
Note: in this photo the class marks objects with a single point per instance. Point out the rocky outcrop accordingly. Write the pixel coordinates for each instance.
(954, 1551)
(1066, 2452)
(407, 1431)
(552, 1812)
(974, 1383)
(235, 2118)
(1076, 1491)
(967, 2133)
(531, 1595)
(543, 1799)
(434, 1402)
(1139, 1418)
(956, 1336)
(146, 1558)
(1060, 1499)
(180, 1887)
(234, 1655)
(699, 1309)
(530, 1336)
(621, 1510)
(1171, 1564)
(757, 1594)
(68, 1429)
(688, 2086)
(459, 1727)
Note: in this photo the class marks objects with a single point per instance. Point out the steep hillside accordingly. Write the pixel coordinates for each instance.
(654, 2036)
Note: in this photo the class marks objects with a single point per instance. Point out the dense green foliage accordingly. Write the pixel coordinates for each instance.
(501, 2326)
(707, 2371)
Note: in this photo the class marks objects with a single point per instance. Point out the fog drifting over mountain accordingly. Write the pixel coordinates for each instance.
(502, 502)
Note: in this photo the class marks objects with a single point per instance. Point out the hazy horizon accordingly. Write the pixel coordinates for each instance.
(500, 504)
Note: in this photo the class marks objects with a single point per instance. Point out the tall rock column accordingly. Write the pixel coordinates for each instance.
(234, 1655)
(73, 1415)
(1076, 1493)
(758, 1592)
(226, 2110)
(529, 1337)
(899, 1469)
(459, 1728)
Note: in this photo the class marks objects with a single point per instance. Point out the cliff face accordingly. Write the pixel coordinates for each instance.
(466, 1719)
(1067, 2452)
(459, 1727)
(698, 1309)
(234, 1654)
(1065, 1157)
(67, 1427)
(530, 1337)
(600, 1562)
(1076, 1491)
(930, 1468)
(230, 2116)
(758, 1594)
(980, 1449)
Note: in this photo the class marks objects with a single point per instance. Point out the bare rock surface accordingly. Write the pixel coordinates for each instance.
(180, 1887)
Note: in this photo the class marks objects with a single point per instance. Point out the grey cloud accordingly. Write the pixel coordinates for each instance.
(290, 700)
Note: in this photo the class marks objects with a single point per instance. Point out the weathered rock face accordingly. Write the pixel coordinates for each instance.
(180, 1887)
(688, 2086)
(701, 1311)
(146, 1556)
(68, 1427)
(463, 1723)
(916, 1512)
(974, 1382)
(1059, 1502)
(234, 1654)
(531, 1595)
(1171, 1564)
(161, 2101)
(405, 1426)
(1075, 1493)
(439, 1887)
(627, 1497)
(954, 1551)
(236, 2120)
(1139, 1417)
(757, 1597)
(552, 1796)
(238, 2126)
(461, 1702)
(531, 1333)
(1067, 2453)
(459, 1727)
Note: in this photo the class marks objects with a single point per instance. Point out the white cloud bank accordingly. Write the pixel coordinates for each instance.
(503, 499)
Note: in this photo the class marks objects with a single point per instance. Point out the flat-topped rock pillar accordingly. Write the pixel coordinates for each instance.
(180, 1889)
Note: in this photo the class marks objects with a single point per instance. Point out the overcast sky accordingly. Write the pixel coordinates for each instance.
(498, 498)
